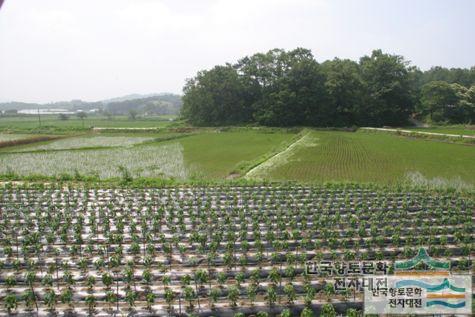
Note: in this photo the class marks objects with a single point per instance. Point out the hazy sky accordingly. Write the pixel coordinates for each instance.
(54, 50)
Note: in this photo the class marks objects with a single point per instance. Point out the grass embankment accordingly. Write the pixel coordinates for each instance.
(5, 143)
(451, 129)
(423, 134)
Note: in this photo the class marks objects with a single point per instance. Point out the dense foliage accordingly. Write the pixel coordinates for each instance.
(288, 88)
(442, 101)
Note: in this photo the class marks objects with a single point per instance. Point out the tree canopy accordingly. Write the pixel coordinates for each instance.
(290, 88)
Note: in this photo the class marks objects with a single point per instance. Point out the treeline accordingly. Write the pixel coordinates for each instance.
(289, 88)
(72, 105)
(159, 104)
(155, 105)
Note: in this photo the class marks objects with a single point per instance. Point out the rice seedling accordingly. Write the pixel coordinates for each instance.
(365, 157)
(141, 161)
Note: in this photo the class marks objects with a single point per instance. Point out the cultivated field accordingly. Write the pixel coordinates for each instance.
(88, 142)
(25, 123)
(371, 157)
(12, 137)
(255, 154)
(165, 161)
(222, 154)
(205, 155)
(106, 241)
(212, 250)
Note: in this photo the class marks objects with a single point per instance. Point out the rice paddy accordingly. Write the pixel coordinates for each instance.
(142, 161)
(221, 249)
(363, 157)
(88, 142)
(13, 137)
(53, 122)
(255, 154)
(218, 155)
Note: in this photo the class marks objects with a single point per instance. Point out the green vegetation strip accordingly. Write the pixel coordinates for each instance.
(412, 132)
(29, 140)
(277, 158)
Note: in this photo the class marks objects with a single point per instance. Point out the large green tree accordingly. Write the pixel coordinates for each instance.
(444, 102)
(345, 91)
(298, 98)
(286, 88)
(215, 97)
(388, 98)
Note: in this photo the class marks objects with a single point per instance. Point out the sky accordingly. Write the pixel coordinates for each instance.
(52, 50)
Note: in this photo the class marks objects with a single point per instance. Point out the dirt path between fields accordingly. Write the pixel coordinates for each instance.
(125, 129)
(421, 132)
(276, 158)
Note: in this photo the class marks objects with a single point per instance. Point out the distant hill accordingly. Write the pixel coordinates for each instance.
(159, 104)
(150, 104)
(130, 97)
(15, 105)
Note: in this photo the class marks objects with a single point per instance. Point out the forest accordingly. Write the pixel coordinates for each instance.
(290, 88)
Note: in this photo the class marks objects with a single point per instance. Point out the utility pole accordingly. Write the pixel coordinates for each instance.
(39, 117)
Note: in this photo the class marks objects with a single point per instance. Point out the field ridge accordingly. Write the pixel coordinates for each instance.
(463, 136)
(255, 170)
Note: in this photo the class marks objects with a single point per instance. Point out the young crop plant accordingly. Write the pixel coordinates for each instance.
(213, 250)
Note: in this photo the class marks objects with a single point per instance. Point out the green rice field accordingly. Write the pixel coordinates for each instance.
(217, 155)
(53, 122)
(253, 154)
(207, 155)
(363, 157)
